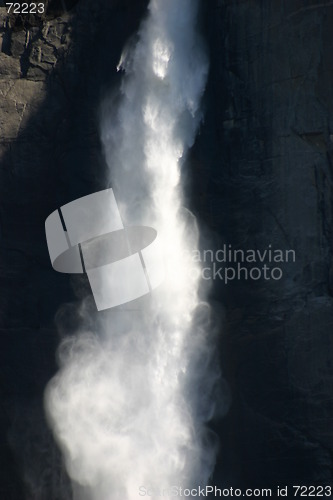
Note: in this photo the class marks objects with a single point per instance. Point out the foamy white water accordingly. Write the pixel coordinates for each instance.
(132, 396)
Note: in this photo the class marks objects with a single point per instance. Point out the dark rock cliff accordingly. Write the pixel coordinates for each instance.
(266, 154)
(261, 175)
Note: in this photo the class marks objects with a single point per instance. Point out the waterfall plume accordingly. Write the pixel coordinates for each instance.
(134, 391)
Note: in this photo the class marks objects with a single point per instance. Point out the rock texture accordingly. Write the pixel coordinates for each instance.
(262, 174)
(266, 154)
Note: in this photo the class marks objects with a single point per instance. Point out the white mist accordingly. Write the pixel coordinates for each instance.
(132, 396)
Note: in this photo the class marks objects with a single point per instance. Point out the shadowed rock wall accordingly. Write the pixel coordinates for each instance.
(265, 153)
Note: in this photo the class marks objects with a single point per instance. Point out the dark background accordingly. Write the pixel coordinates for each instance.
(261, 172)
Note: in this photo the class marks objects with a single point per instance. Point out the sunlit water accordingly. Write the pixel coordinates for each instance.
(130, 401)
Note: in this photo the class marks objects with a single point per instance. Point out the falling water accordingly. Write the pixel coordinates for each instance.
(131, 400)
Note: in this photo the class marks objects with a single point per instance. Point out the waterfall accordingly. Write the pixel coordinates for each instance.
(130, 403)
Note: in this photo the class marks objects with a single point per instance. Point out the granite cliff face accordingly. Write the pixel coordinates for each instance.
(261, 174)
(266, 154)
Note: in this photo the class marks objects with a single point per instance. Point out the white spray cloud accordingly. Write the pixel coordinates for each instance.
(130, 402)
